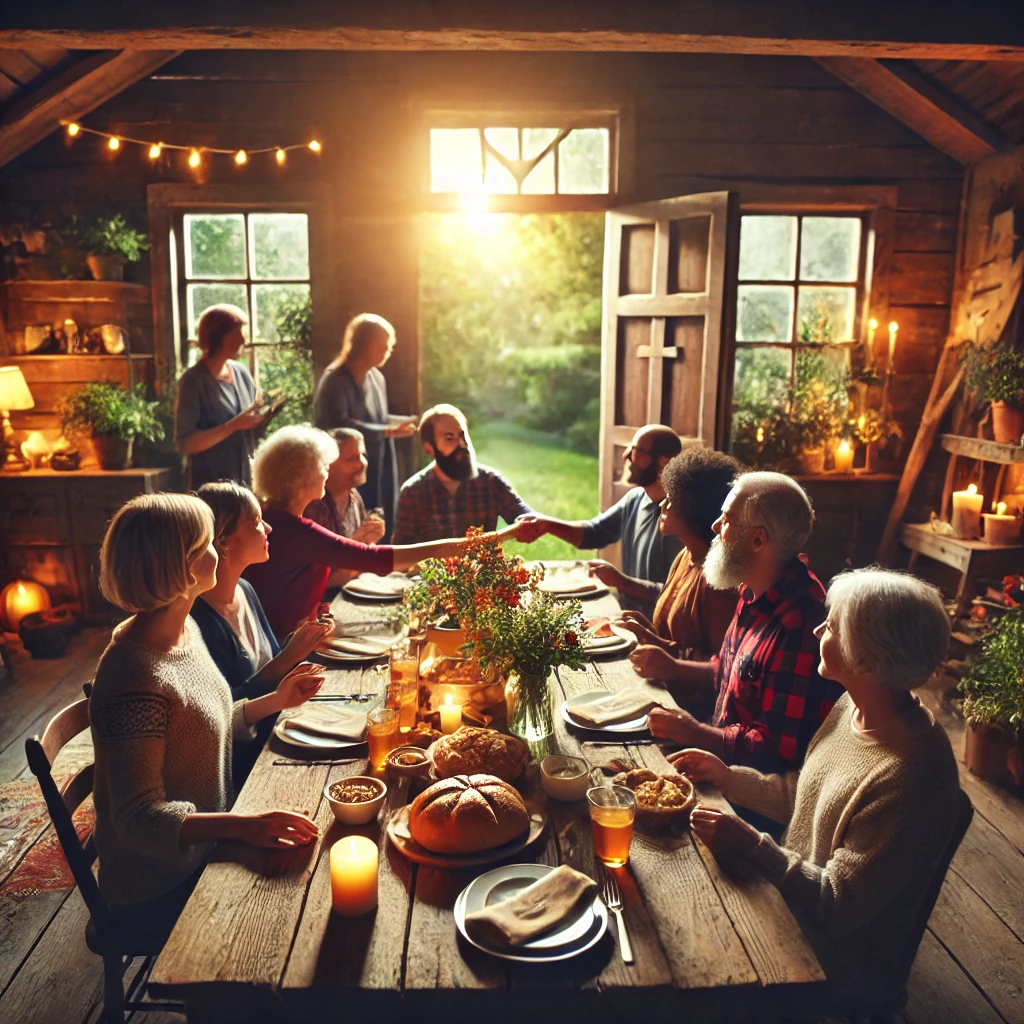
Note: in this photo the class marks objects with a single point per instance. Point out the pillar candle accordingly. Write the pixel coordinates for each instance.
(843, 457)
(353, 875)
(967, 513)
(451, 715)
(999, 527)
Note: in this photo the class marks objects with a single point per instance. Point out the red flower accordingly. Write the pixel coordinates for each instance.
(571, 638)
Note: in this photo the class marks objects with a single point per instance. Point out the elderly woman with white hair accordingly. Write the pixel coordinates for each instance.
(871, 812)
(289, 471)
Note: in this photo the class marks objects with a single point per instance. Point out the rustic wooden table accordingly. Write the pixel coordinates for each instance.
(258, 940)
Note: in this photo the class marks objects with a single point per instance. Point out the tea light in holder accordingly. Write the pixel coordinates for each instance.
(451, 715)
(842, 457)
(353, 876)
(999, 527)
(966, 519)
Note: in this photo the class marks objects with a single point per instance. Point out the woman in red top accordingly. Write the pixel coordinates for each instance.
(289, 471)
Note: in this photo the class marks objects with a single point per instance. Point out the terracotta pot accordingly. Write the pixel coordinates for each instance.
(112, 452)
(986, 752)
(1007, 423)
(106, 268)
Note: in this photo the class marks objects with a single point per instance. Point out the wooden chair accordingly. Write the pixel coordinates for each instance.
(107, 934)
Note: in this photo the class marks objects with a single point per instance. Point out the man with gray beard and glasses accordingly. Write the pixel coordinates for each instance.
(769, 698)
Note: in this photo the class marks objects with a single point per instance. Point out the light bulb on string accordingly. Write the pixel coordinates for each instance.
(315, 146)
(73, 129)
(113, 143)
(279, 156)
(241, 157)
(155, 150)
(193, 158)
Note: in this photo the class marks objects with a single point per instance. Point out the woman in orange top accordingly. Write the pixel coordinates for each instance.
(690, 618)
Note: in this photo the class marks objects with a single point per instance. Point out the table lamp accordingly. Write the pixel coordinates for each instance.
(14, 395)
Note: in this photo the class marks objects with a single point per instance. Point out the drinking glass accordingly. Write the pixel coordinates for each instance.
(381, 735)
(404, 683)
(612, 811)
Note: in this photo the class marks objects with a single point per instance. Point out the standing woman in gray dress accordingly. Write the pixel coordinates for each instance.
(353, 393)
(216, 421)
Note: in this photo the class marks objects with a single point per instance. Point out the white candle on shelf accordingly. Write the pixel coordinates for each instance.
(451, 715)
(842, 457)
(967, 512)
(353, 875)
(999, 527)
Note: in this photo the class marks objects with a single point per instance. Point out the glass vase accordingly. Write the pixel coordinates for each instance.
(529, 704)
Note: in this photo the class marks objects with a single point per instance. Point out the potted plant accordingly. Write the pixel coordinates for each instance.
(112, 244)
(993, 706)
(996, 375)
(818, 408)
(114, 417)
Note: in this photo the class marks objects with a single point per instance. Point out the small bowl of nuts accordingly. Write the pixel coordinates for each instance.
(357, 799)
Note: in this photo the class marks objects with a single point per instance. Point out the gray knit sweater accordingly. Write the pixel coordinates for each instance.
(162, 727)
(869, 816)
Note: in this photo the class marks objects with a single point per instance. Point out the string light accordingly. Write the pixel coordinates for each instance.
(279, 156)
(193, 158)
(315, 146)
(155, 150)
(114, 142)
(241, 157)
(73, 129)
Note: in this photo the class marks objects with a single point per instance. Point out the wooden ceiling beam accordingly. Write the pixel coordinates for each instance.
(949, 126)
(907, 30)
(72, 95)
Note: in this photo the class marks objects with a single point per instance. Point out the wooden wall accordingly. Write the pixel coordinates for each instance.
(699, 123)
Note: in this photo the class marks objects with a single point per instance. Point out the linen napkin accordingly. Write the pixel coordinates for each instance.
(595, 643)
(369, 645)
(378, 586)
(536, 910)
(600, 627)
(616, 707)
(331, 723)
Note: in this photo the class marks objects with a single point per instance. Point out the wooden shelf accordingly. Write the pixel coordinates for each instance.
(985, 451)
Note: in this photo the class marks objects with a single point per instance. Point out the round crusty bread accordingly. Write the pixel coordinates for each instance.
(472, 751)
(466, 814)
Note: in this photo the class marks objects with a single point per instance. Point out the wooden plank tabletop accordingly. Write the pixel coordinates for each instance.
(258, 938)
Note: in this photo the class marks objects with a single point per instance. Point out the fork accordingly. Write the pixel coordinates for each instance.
(613, 900)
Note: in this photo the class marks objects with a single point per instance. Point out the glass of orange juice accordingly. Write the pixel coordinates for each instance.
(381, 734)
(404, 682)
(612, 811)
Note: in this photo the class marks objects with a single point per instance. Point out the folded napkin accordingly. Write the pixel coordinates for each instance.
(369, 583)
(331, 723)
(372, 645)
(600, 627)
(536, 910)
(595, 643)
(616, 707)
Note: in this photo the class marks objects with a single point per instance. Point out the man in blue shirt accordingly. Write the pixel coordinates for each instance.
(647, 556)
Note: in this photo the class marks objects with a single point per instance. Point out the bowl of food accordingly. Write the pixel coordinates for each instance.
(357, 799)
(408, 762)
(661, 800)
(565, 778)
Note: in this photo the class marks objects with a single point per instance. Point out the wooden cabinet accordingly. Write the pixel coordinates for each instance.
(52, 526)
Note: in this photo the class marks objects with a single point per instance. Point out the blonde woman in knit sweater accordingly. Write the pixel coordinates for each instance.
(162, 716)
(872, 810)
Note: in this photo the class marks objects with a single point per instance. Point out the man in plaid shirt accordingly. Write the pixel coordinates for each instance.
(454, 492)
(769, 697)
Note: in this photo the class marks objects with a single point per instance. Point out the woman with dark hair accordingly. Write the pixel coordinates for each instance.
(216, 414)
(353, 393)
(691, 617)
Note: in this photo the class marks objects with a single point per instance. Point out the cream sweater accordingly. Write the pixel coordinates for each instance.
(162, 726)
(869, 816)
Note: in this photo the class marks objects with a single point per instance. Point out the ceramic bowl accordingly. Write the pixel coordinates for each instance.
(356, 813)
(565, 778)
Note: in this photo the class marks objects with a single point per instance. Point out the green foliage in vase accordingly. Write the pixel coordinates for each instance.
(820, 400)
(111, 236)
(996, 374)
(104, 408)
(993, 686)
(288, 370)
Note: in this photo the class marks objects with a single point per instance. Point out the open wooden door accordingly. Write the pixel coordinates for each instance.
(664, 310)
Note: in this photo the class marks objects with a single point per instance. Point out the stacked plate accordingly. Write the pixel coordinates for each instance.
(575, 935)
(571, 585)
(619, 642)
(355, 648)
(369, 587)
(637, 724)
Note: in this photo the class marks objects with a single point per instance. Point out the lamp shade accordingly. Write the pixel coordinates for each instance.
(14, 392)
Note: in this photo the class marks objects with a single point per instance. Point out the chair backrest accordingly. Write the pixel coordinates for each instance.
(62, 802)
(964, 814)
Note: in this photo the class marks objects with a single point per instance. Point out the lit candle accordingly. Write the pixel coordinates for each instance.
(35, 448)
(967, 512)
(353, 875)
(451, 715)
(872, 327)
(893, 328)
(999, 527)
(843, 457)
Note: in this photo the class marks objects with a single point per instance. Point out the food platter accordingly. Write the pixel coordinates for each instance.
(574, 936)
(398, 833)
(638, 724)
(622, 641)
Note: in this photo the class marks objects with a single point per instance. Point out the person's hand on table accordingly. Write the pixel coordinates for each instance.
(604, 571)
(299, 685)
(700, 766)
(723, 833)
(651, 662)
(307, 637)
(672, 724)
(639, 626)
(276, 829)
(530, 527)
(369, 531)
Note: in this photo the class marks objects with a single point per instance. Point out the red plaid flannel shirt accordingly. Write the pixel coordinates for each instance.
(771, 699)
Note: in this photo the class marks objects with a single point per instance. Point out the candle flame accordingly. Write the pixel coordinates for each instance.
(448, 699)
(21, 590)
(972, 488)
(873, 324)
(1001, 508)
(760, 434)
(844, 446)
(893, 326)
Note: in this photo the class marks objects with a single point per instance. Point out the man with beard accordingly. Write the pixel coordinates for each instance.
(454, 492)
(647, 556)
(769, 698)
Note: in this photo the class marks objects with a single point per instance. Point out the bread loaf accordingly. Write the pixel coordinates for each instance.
(472, 751)
(466, 814)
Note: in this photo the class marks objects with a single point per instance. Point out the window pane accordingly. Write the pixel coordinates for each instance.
(535, 139)
(541, 180)
(498, 180)
(767, 248)
(830, 248)
(764, 313)
(826, 314)
(504, 140)
(279, 243)
(201, 296)
(455, 160)
(583, 162)
(270, 301)
(760, 399)
(215, 245)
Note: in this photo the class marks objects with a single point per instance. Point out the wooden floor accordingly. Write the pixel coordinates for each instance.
(970, 969)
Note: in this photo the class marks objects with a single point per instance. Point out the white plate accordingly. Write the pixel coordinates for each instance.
(353, 589)
(344, 657)
(570, 587)
(630, 725)
(287, 733)
(623, 641)
(555, 946)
